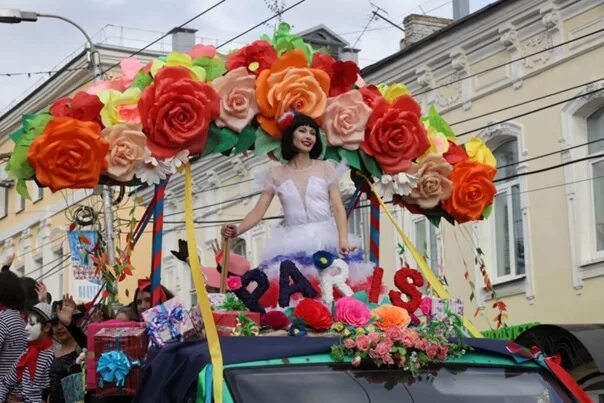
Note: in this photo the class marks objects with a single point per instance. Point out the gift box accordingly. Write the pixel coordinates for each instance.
(441, 307)
(168, 323)
(74, 388)
(226, 321)
(197, 321)
(91, 331)
(120, 353)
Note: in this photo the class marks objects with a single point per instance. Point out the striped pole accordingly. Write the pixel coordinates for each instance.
(158, 224)
(374, 234)
(354, 201)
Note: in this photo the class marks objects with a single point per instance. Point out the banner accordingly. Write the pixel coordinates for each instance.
(81, 245)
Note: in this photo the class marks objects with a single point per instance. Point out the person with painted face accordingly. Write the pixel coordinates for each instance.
(28, 380)
(314, 214)
(13, 340)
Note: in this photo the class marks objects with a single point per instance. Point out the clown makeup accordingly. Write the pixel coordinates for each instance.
(33, 328)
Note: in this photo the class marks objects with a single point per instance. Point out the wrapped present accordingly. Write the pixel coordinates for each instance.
(441, 307)
(216, 299)
(120, 353)
(169, 322)
(197, 321)
(91, 331)
(74, 388)
(227, 321)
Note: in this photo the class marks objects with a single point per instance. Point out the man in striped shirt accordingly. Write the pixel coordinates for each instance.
(29, 378)
(13, 340)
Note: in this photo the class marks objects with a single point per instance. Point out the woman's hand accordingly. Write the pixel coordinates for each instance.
(345, 248)
(65, 311)
(41, 291)
(229, 231)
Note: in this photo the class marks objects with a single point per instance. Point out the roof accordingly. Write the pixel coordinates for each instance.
(449, 29)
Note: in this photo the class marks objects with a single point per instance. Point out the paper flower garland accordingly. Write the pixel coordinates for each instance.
(201, 102)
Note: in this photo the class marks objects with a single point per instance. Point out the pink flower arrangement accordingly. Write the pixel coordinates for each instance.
(352, 312)
(363, 343)
(234, 283)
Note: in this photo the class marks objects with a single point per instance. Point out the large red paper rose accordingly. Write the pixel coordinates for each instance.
(176, 111)
(455, 154)
(342, 75)
(395, 135)
(371, 95)
(82, 106)
(314, 313)
(256, 57)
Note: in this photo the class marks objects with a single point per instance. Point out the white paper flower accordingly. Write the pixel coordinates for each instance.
(151, 170)
(400, 184)
(180, 159)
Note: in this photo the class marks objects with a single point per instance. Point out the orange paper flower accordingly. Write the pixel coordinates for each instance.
(290, 84)
(473, 190)
(69, 154)
(390, 315)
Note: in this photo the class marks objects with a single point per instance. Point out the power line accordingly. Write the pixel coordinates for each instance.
(51, 272)
(36, 73)
(29, 252)
(371, 19)
(509, 62)
(276, 15)
(42, 266)
(530, 112)
(526, 102)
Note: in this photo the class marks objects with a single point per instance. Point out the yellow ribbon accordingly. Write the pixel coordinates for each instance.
(200, 287)
(421, 262)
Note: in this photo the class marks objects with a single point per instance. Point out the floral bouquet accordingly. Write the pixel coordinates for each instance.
(144, 124)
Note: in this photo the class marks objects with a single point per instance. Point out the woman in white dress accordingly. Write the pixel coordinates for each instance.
(314, 215)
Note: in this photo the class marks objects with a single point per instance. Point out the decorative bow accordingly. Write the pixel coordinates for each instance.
(553, 364)
(114, 366)
(167, 318)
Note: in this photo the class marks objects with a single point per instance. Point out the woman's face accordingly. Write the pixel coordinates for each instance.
(143, 301)
(305, 138)
(60, 333)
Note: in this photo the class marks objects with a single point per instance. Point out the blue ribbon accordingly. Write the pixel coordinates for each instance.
(167, 318)
(114, 366)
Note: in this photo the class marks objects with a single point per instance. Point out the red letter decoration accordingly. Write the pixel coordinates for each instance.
(401, 280)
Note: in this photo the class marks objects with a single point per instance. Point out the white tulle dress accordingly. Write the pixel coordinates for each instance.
(308, 224)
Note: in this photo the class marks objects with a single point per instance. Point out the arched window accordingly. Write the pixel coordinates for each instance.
(595, 132)
(507, 228)
(239, 247)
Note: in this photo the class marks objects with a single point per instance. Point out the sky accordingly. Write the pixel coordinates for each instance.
(48, 43)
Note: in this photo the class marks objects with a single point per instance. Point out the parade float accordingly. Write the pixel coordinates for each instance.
(147, 124)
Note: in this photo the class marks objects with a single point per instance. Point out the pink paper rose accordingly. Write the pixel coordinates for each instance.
(394, 333)
(383, 347)
(356, 361)
(349, 343)
(426, 306)
(126, 150)
(374, 337)
(237, 91)
(352, 312)
(363, 342)
(345, 119)
(234, 283)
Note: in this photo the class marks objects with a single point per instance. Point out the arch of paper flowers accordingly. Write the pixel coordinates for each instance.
(148, 121)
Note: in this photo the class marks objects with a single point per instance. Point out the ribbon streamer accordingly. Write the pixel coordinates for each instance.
(158, 226)
(428, 274)
(200, 288)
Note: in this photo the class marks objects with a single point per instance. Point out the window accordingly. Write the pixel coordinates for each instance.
(426, 242)
(239, 247)
(37, 194)
(4, 188)
(358, 225)
(595, 131)
(19, 203)
(37, 268)
(507, 227)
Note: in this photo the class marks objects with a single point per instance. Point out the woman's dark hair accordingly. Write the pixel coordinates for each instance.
(12, 292)
(132, 305)
(288, 151)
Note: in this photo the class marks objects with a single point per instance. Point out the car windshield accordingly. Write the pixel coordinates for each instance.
(335, 384)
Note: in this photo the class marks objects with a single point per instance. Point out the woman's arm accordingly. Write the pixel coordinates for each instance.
(339, 214)
(252, 218)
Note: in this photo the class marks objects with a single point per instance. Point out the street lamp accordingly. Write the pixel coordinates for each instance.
(14, 16)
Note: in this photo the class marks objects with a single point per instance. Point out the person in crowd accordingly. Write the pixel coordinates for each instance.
(142, 298)
(124, 314)
(28, 380)
(13, 340)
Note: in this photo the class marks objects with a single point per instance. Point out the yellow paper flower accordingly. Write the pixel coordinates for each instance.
(478, 151)
(120, 107)
(439, 143)
(392, 91)
(179, 59)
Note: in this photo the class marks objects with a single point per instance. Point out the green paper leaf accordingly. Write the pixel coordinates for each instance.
(142, 80)
(246, 139)
(331, 153)
(228, 140)
(213, 66)
(14, 136)
(361, 296)
(435, 220)
(437, 122)
(370, 165)
(487, 211)
(289, 312)
(351, 157)
(265, 143)
(212, 141)
(22, 189)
